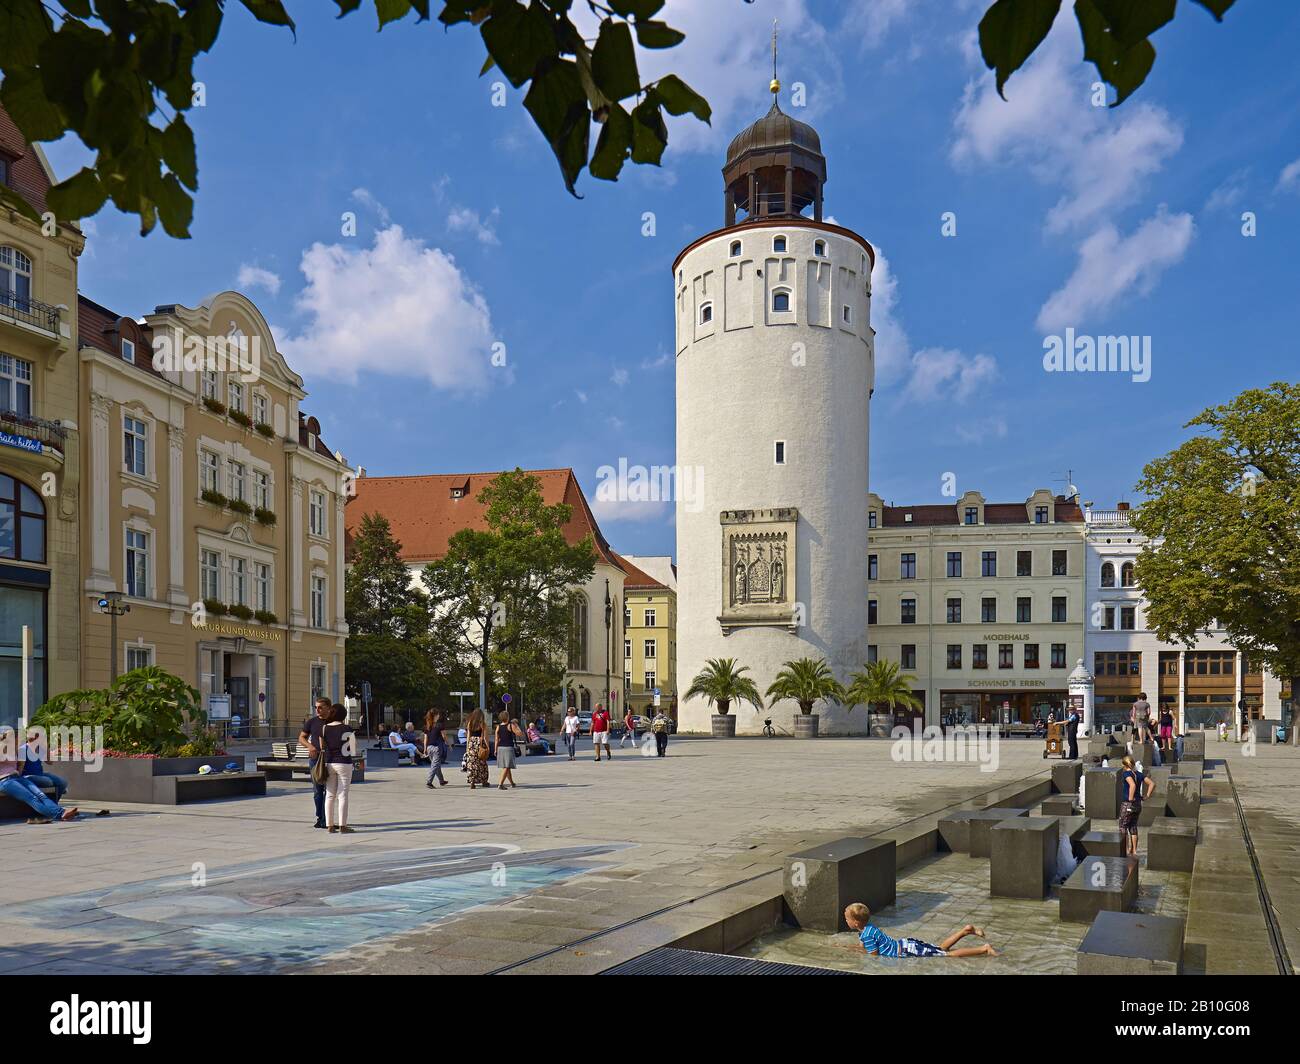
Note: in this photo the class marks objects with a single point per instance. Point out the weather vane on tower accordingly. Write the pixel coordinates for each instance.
(776, 82)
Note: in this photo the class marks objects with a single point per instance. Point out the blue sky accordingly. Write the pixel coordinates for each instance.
(1109, 221)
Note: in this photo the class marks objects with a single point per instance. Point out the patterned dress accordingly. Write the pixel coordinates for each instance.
(476, 764)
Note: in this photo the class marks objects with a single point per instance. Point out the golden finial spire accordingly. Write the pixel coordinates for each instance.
(776, 82)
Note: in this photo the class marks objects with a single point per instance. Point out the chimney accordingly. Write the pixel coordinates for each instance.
(1121, 506)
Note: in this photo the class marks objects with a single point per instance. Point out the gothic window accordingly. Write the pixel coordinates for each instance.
(578, 635)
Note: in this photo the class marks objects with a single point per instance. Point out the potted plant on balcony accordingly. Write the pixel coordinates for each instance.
(265, 429)
(266, 617)
(239, 506)
(722, 682)
(213, 497)
(238, 609)
(881, 683)
(215, 607)
(215, 405)
(240, 418)
(806, 681)
(264, 516)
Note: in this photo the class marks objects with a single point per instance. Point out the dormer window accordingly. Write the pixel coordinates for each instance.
(778, 244)
(735, 249)
(4, 169)
(706, 313)
(781, 301)
(819, 248)
(128, 352)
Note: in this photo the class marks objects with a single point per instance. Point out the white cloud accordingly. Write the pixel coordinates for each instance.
(610, 510)
(941, 373)
(1228, 193)
(580, 395)
(932, 373)
(984, 428)
(664, 358)
(256, 277)
(1111, 265)
(872, 20)
(468, 220)
(1098, 157)
(1289, 179)
(398, 308)
(620, 377)
(364, 197)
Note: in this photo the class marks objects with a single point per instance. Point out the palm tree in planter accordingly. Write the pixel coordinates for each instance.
(806, 681)
(882, 683)
(722, 682)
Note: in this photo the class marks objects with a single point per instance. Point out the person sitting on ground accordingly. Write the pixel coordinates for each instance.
(873, 940)
(33, 770)
(14, 785)
(396, 742)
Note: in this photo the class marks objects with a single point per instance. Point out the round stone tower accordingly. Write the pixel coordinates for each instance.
(775, 367)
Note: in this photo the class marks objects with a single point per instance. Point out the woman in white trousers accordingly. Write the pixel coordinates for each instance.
(339, 743)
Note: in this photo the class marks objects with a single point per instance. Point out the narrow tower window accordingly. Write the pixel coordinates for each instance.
(778, 244)
(735, 249)
(780, 452)
(781, 302)
(819, 248)
(706, 313)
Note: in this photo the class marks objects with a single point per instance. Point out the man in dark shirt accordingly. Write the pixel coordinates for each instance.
(1072, 733)
(310, 736)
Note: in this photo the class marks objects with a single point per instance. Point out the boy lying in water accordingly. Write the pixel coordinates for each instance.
(873, 940)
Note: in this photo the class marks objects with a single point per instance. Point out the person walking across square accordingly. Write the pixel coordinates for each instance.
(600, 732)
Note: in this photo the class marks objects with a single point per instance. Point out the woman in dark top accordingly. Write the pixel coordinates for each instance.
(507, 730)
(435, 747)
(337, 741)
(1166, 729)
(1134, 787)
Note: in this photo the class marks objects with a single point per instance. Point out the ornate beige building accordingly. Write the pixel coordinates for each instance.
(39, 474)
(213, 507)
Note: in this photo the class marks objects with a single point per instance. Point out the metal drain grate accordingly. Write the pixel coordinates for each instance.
(669, 961)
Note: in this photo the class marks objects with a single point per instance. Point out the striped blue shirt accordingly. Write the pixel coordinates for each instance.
(876, 941)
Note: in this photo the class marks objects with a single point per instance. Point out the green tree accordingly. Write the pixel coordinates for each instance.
(806, 681)
(504, 594)
(378, 596)
(144, 711)
(1222, 517)
(881, 683)
(722, 682)
(120, 76)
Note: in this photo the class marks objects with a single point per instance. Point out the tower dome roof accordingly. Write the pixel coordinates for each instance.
(776, 130)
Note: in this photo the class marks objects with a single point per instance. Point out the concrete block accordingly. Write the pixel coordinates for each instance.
(1101, 745)
(821, 881)
(1194, 746)
(1059, 805)
(1143, 754)
(1102, 844)
(1065, 777)
(1099, 884)
(1183, 797)
(1171, 844)
(981, 827)
(1022, 859)
(954, 831)
(1101, 793)
(1132, 944)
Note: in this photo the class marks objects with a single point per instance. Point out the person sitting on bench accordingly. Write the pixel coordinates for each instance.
(409, 749)
(33, 770)
(873, 940)
(14, 785)
(535, 739)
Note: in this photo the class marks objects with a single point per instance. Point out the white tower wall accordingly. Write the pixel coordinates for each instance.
(747, 378)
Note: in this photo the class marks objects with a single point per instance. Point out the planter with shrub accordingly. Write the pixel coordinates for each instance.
(264, 516)
(238, 609)
(265, 430)
(214, 405)
(721, 681)
(214, 497)
(266, 617)
(239, 506)
(240, 418)
(215, 607)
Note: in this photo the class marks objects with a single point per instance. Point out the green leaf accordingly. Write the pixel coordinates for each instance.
(613, 145)
(637, 9)
(203, 20)
(24, 27)
(1010, 31)
(175, 208)
(176, 146)
(23, 95)
(558, 104)
(679, 98)
(76, 8)
(79, 196)
(1125, 68)
(1131, 21)
(613, 61)
(11, 199)
(519, 39)
(1217, 8)
(271, 12)
(658, 35)
(649, 134)
(391, 10)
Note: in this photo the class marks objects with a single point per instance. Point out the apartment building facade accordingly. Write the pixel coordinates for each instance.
(1202, 684)
(983, 603)
(39, 436)
(212, 509)
(650, 634)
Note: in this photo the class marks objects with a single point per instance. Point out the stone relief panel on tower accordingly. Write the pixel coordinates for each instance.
(759, 552)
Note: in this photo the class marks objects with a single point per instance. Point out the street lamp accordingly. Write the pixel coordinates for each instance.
(113, 605)
(609, 616)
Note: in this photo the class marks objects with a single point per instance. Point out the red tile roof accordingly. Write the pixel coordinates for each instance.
(27, 176)
(637, 579)
(424, 515)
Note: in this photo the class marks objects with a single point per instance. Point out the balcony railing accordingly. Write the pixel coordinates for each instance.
(30, 311)
(1111, 518)
(50, 433)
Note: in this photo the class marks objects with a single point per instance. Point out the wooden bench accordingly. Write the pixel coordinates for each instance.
(292, 761)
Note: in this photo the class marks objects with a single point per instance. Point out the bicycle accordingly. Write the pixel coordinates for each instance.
(768, 730)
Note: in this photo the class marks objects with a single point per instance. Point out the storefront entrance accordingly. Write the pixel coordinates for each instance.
(998, 707)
